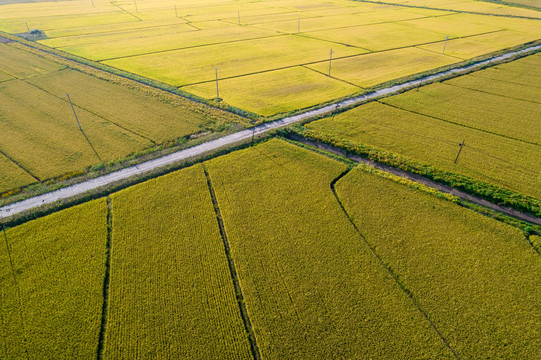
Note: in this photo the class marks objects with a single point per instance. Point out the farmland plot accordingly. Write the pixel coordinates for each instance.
(496, 112)
(182, 44)
(476, 278)
(171, 293)
(51, 283)
(40, 137)
(312, 288)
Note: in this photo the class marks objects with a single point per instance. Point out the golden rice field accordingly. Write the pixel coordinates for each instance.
(496, 111)
(170, 293)
(252, 43)
(51, 282)
(476, 278)
(314, 286)
(40, 136)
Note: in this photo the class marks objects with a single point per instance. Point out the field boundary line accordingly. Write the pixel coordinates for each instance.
(388, 267)
(456, 11)
(233, 271)
(106, 281)
(243, 135)
(16, 283)
(459, 124)
(495, 94)
(18, 165)
(114, 3)
(90, 111)
(185, 48)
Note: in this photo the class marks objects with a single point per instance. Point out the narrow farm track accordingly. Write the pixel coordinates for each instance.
(244, 135)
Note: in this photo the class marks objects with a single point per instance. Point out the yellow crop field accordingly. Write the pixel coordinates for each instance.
(148, 117)
(284, 51)
(495, 111)
(312, 287)
(43, 136)
(125, 47)
(376, 68)
(12, 176)
(472, 5)
(300, 88)
(475, 277)
(20, 65)
(171, 293)
(40, 136)
(149, 33)
(5, 76)
(467, 48)
(506, 116)
(505, 162)
(51, 285)
(180, 44)
(525, 72)
(379, 37)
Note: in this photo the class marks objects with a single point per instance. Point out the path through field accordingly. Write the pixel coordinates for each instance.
(85, 186)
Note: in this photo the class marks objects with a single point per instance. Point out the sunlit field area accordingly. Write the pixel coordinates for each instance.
(496, 112)
(261, 51)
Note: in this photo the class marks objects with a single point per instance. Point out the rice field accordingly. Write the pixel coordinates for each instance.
(170, 293)
(477, 279)
(312, 288)
(181, 44)
(495, 111)
(51, 283)
(41, 138)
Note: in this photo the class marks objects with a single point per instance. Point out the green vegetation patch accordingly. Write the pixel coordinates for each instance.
(476, 278)
(51, 285)
(312, 287)
(171, 293)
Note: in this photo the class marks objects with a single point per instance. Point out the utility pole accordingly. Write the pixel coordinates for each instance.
(461, 146)
(238, 15)
(445, 44)
(217, 91)
(335, 111)
(92, 1)
(253, 135)
(176, 13)
(330, 61)
(27, 28)
(136, 9)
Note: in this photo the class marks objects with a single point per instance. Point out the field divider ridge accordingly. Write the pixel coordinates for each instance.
(19, 165)
(459, 124)
(243, 135)
(388, 267)
(233, 271)
(106, 280)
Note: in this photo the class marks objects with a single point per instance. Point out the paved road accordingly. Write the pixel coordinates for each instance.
(83, 187)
